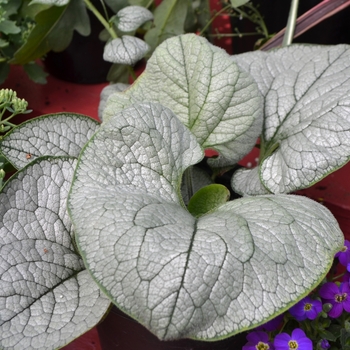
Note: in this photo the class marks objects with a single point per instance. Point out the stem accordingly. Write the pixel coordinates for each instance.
(233, 35)
(104, 9)
(292, 18)
(212, 19)
(108, 27)
(257, 19)
(6, 121)
(149, 4)
(260, 20)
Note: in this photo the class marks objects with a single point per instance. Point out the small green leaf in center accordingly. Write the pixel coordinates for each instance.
(207, 199)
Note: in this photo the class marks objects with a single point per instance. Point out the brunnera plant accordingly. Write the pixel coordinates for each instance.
(116, 212)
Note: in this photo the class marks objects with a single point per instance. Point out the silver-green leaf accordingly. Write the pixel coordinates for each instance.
(50, 2)
(306, 132)
(47, 298)
(62, 134)
(106, 92)
(217, 101)
(180, 276)
(132, 17)
(125, 50)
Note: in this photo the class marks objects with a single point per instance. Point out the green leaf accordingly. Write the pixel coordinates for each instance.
(194, 178)
(53, 31)
(106, 92)
(126, 50)
(208, 199)
(306, 132)
(143, 3)
(181, 276)
(47, 297)
(118, 73)
(3, 43)
(62, 134)
(344, 339)
(217, 101)
(35, 73)
(325, 334)
(118, 5)
(198, 16)
(10, 7)
(9, 27)
(50, 2)
(238, 3)
(169, 21)
(133, 17)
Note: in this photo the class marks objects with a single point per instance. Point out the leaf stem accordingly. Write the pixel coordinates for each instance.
(149, 4)
(98, 15)
(108, 27)
(212, 19)
(289, 34)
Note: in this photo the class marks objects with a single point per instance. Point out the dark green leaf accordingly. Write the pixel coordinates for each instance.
(335, 330)
(11, 7)
(328, 335)
(118, 73)
(54, 31)
(36, 73)
(344, 337)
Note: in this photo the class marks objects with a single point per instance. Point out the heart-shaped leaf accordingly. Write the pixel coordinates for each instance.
(181, 276)
(306, 132)
(62, 134)
(132, 17)
(219, 103)
(125, 50)
(47, 297)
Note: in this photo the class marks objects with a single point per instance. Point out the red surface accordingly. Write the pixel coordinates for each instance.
(55, 96)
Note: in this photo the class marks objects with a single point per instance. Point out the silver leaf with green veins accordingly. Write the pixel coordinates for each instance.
(47, 298)
(132, 17)
(181, 276)
(62, 134)
(125, 50)
(50, 2)
(217, 101)
(306, 131)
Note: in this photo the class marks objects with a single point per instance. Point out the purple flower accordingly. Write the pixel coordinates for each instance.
(344, 254)
(271, 325)
(298, 340)
(338, 296)
(306, 308)
(258, 340)
(324, 344)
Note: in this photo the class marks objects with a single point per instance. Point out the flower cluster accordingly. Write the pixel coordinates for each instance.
(319, 321)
